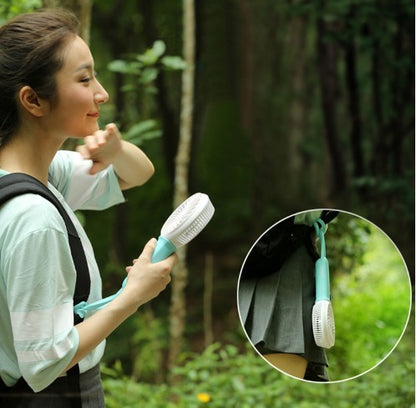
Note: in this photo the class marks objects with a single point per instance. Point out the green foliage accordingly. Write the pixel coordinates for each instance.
(146, 66)
(12, 8)
(145, 130)
(141, 71)
(347, 240)
(370, 295)
(222, 376)
(226, 158)
(149, 341)
(140, 344)
(398, 197)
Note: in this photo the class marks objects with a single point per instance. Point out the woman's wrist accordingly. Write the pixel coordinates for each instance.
(127, 303)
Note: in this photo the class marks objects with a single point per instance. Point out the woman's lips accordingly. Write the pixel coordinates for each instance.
(93, 114)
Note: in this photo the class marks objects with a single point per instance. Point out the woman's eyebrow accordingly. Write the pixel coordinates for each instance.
(87, 66)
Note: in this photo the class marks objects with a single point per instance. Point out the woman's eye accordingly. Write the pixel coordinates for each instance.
(88, 79)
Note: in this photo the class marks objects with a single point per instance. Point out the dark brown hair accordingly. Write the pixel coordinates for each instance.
(31, 54)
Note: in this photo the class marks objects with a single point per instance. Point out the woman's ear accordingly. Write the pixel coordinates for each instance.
(31, 102)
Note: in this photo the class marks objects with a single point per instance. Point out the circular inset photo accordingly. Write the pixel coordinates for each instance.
(324, 295)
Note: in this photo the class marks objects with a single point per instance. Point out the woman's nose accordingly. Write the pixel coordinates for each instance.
(100, 95)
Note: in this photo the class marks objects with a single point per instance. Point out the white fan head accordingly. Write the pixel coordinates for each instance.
(188, 220)
(323, 324)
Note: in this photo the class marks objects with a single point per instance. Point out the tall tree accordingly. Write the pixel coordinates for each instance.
(81, 8)
(297, 109)
(178, 307)
(353, 95)
(327, 57)
(168, 115)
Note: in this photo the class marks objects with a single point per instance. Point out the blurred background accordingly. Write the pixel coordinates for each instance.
(370, 295)
(296, 104)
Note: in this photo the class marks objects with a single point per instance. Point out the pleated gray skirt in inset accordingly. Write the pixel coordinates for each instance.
(276, 309)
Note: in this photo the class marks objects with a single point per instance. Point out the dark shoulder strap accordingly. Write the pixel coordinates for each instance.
(328, 215)
(16, 184)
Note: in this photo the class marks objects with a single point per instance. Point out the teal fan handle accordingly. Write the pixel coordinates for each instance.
(183, 225)
(164, 248)
(322, 265)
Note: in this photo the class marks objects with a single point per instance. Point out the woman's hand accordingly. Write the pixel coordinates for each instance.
(102, 147)
(146, 279)
(105, 147)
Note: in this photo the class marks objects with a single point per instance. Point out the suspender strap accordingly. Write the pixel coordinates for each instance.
(16, 184)
(328, 215)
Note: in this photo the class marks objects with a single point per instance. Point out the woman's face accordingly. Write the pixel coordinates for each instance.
(79, 94)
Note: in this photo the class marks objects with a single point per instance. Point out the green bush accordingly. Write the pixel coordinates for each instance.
(371, 304)
(223, 377)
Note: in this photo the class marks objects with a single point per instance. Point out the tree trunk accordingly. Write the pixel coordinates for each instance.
(379, 154)
(246, 66)
(327, 57)
(167, 114)
(208, 289)
(180, 276)
(400, 97)
(297, 110)
(81, 8)
(353, 103)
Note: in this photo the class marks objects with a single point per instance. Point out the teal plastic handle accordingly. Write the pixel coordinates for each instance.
(322, 279)
(163, 249)
(321, 266)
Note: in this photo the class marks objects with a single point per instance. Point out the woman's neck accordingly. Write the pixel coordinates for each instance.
(28, 154)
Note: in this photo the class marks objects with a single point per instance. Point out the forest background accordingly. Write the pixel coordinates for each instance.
(297, 104)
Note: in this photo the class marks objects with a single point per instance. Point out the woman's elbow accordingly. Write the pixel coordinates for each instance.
(147, 174)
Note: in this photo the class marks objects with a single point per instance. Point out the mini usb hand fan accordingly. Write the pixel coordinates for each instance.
(323, 324)
(182, 226)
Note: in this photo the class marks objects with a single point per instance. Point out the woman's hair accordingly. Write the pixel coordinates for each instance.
(31, 54)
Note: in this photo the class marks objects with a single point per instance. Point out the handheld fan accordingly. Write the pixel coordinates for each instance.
(323, 323)
(183, 225)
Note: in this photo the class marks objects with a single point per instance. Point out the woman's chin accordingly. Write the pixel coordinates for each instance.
(86, 132)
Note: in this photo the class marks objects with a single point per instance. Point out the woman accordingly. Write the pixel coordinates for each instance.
(49, 93)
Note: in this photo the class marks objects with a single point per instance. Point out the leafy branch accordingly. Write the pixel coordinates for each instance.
(143, 69)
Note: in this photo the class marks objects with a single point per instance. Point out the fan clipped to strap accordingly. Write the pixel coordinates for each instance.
(183, 225)
(323, 323)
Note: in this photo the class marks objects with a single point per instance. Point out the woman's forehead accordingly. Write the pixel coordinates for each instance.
(77, 55)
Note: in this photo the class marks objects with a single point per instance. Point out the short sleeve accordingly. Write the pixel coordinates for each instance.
(40, 278)
(69, 174)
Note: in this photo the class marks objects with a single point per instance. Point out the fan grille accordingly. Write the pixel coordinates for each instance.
(188, 220)
(323, 324)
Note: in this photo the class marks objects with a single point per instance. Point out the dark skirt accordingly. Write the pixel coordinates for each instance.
(92, 394)
(57, 395)
(276, 309)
